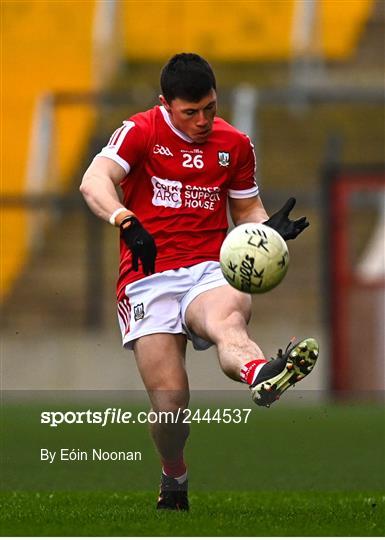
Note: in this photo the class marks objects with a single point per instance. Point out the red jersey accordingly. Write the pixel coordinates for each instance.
(178, 189)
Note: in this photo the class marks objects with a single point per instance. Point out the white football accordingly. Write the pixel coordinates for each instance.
(254, 258)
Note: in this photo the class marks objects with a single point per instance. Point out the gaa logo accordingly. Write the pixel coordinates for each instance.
(162, 150)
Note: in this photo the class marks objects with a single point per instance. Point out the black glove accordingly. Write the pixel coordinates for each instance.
(287, 228)
(141, 244)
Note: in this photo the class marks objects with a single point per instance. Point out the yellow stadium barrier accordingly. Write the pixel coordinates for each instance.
(236, 30)
(47, 47)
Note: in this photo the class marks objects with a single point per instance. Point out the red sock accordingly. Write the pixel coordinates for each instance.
(248, 370)
(174, 468)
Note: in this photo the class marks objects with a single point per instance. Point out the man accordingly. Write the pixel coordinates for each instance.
(177, 165)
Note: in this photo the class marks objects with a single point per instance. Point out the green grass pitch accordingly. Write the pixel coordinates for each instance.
(290, 471)
(212, 514)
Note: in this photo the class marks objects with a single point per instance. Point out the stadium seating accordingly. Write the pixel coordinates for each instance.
(47, 47)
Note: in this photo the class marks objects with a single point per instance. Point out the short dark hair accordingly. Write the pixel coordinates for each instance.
(187, 76)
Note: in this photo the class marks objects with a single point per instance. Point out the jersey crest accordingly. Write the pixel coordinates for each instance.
(224, 159)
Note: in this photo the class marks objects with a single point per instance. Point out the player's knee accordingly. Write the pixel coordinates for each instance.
(170, 401)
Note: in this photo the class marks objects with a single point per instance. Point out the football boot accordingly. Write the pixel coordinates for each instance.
(283, 371)
(172, 495)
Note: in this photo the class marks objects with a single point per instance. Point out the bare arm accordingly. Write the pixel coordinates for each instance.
(252, 210)
(98, 188)
(247, 210)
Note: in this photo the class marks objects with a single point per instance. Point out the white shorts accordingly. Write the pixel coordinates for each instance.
(157, 303)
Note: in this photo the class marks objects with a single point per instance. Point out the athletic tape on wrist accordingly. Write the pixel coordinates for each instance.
(115, 214)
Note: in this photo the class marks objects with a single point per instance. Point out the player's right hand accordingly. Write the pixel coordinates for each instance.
(141, 244)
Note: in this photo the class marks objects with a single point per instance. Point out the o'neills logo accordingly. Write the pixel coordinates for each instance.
(166, 192)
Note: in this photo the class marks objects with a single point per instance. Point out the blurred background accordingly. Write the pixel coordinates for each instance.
(304, 78)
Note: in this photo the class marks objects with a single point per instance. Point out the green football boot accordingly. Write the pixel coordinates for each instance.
(283, 371)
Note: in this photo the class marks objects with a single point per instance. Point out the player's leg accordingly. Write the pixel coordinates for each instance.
(220, 315)
(161, 363)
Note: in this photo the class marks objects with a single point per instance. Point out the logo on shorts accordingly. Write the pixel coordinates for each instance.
(166, 192)
(224, 159)
(138, 312)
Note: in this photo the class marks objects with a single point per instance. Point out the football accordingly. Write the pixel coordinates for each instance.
(254, 258)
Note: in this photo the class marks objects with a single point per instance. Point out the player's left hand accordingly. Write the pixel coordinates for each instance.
(286, 227)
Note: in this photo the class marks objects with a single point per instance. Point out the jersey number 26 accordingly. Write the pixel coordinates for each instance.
(192, 161)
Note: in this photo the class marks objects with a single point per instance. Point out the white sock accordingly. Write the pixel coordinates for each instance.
(256, 372)
(179, 479)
